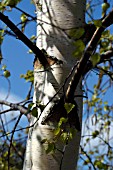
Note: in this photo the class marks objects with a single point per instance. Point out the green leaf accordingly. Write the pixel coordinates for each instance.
(107, 123)
(7, 73)
(72, 133)
(79, 44)
(105, 6)
(97, 23)
(106, 33)
(50, 148)
(105, 44)
(57, 131)
(69, 107)
(77, 33)
(106, 108)
(61, 121)
(64, 137)
(33, 38)
(100, 165)
(23, 18)
(30, 106)
(34, 112)
(87, 140)
(86, 162)
(2, 6)
(41, 106)
(95, 133)
(105, 102)
(95, 59)
(30, 51)
(11, 3)
(29, 76)
(4, 67)
(1, 36)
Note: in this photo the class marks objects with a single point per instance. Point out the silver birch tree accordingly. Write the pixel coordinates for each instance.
(55, 20)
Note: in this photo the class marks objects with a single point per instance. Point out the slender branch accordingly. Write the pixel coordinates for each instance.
(88, 157)
(107, 55)
(8, 133)
(103, 58)
(11, 140)
(5, 111)
(7, 32)
(25, 40)
(29, 92)
(110, 74)
(14, 106)
(107, 21)
(28, 15)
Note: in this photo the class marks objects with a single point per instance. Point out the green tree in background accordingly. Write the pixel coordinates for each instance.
(73, 61)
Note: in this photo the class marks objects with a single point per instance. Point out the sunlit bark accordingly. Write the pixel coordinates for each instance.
(55, 20)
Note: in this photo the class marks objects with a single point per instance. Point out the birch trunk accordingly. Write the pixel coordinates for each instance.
(55, 20)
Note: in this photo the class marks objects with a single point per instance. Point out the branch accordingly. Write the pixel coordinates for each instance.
(106, 56)
(5, 111)
(7, 32)
(13, 106)
(44, 61)
(28, 15)
(82, 150)
(110, 74)
(11, 140)
(103, 58)
(25, 40)
(107, 21)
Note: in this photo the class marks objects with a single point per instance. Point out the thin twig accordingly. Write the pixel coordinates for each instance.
(11, 140)
(88, 157)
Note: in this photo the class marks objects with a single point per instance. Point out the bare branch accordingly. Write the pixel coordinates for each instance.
(14, 106)
(9, 151)
(5, 111)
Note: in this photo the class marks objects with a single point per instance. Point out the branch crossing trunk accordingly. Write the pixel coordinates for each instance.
(55, 20)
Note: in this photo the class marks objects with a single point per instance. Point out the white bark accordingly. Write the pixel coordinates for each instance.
(54, 22)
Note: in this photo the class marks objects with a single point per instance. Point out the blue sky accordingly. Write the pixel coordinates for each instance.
(18, 61)
(16, 55)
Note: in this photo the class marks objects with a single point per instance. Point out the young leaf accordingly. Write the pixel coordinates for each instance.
(77, 33)
(34, 112)
(98, 23)
(105, 6)
(69, 107)
(62, 120)
(11, 3)
(95, 59)
(95, 133)
(50, 147)
(23, 18)
(57, 131)
(7, 73)
(64, 137)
